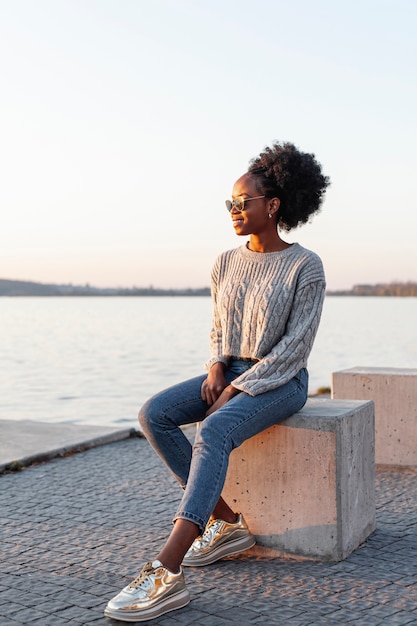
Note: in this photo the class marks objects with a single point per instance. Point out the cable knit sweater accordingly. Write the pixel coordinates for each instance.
(266, 307)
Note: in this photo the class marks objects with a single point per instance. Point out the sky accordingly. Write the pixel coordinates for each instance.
(125, 123)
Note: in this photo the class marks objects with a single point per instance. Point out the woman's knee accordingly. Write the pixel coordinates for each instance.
(149, 415)
(175, 406)
(212, 435)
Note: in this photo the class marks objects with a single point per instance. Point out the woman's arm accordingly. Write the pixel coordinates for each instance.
(216, 332)
(291, 352)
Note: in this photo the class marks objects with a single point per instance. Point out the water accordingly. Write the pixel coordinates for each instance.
(96, 360)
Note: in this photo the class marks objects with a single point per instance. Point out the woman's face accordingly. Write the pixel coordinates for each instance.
(254, 218)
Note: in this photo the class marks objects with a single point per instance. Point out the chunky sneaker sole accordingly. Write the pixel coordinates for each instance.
(176, 601)
(220, 539)
(153, 593)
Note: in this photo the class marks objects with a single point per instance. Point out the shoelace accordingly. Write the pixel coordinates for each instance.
(210, 531)
(147, 569)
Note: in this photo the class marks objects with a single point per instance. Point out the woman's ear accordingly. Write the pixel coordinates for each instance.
(274, 206)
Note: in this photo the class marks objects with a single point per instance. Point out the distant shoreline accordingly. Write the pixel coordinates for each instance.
(18, 288)
(395, 290)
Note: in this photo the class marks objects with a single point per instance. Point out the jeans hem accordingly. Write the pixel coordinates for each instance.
(190, 517)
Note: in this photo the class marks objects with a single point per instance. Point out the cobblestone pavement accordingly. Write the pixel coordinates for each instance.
(75, 530)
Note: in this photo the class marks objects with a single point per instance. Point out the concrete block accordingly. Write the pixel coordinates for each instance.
(394, 392)
(306, 486)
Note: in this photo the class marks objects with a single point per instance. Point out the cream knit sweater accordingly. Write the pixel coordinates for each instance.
(267, 307)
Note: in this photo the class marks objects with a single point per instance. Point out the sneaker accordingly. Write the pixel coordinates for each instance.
(154, 592)
(220, 539)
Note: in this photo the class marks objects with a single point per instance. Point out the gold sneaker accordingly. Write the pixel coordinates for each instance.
(154, 592)
(220, 539)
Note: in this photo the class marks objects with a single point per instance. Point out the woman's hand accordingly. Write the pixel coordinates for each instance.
(214, 384)
(227, 393)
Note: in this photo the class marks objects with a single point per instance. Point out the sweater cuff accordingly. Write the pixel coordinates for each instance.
(216, 359)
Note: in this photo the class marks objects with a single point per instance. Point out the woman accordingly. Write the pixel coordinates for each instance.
(267, 301)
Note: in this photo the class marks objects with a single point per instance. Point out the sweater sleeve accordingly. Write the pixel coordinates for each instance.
(290, 354)
(216, 334)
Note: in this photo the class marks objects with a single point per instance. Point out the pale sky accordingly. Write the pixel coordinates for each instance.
(124, 124)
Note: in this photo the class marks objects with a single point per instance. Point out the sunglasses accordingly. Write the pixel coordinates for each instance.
(239, 203)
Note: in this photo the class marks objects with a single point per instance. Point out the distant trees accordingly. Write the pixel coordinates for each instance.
(394, 289)
(26, 288)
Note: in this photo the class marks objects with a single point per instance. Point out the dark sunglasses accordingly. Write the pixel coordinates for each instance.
(239, 203)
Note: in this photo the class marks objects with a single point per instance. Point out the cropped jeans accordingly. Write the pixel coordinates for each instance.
(201, 468)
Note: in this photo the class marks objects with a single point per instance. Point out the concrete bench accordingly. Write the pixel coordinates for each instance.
(307, 485)
(394, 392)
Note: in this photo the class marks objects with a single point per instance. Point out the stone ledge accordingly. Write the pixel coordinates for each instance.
(24, 442)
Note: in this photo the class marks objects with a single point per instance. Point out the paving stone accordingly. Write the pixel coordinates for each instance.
(26, 614)
(48, 620)
(7, 621)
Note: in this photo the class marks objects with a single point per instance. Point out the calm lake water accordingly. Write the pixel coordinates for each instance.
(96, 360)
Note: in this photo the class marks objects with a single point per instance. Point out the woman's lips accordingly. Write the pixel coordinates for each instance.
(237, 222)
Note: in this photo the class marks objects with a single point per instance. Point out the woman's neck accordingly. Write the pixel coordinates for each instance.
(267, 244)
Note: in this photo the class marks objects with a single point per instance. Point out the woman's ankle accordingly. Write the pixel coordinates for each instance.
(230, 518)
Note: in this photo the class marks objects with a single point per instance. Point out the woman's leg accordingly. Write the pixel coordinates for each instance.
(179, 541)
(160, 586)
(160, 418)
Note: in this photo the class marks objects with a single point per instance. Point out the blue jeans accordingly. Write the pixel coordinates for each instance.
(201, 468)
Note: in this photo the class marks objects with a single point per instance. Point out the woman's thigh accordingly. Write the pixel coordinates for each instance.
(180, 404)
(245, 416)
